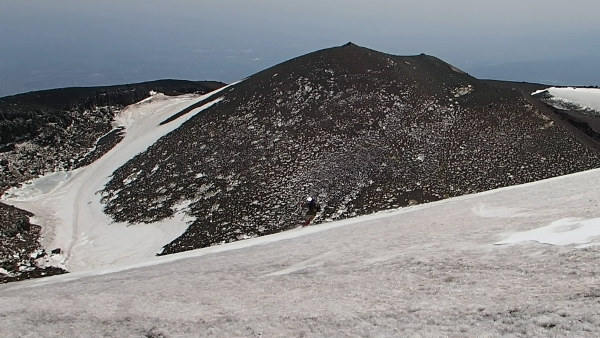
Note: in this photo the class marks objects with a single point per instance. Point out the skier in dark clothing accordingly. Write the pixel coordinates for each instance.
(313, 207)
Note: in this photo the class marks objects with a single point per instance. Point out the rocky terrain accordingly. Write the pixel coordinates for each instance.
(20, 247)
(62, 129)
(585, 119)
(59, 130)
(360, 130)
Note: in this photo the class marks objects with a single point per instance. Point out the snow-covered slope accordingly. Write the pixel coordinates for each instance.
(431, 270)
(69, 209)
(586, 99)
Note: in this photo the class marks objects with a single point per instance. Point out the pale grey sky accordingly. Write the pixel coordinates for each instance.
(47, 44)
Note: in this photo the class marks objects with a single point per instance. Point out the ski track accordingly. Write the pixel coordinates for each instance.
(70, 211)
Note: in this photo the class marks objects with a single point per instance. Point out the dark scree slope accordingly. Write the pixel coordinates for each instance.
(360, 130)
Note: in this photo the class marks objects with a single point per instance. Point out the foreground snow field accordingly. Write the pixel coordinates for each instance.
(430, 270)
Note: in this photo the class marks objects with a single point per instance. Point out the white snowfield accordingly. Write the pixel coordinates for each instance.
(517, 261)
(428, 270)
(583, 97)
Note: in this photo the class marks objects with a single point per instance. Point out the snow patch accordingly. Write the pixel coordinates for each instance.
(461, 91)
(5, 272)
(586, 98)
(37, 188)
(566, 231)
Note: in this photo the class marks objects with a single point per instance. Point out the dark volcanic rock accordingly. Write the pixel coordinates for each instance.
(19, 242)
(361, 130)
(584, 119)
(62, 129)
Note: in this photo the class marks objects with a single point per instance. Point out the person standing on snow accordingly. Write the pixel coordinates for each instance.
(313, 207)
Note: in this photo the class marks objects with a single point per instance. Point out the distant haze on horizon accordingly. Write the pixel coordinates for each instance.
(63, 43)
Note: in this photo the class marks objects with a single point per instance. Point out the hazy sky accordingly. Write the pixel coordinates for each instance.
(57, 43)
